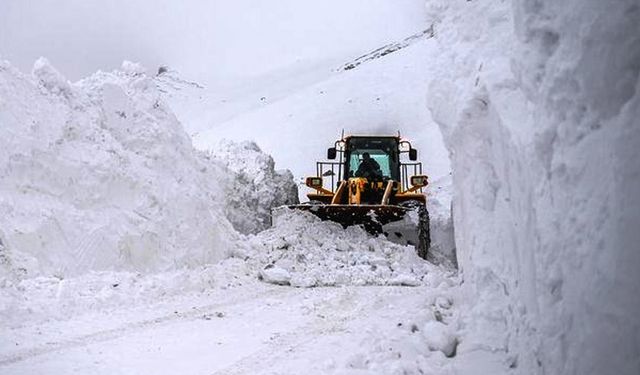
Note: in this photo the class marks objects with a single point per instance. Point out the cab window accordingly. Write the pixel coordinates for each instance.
(380, 156)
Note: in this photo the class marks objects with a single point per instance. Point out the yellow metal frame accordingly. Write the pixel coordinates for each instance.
(338, 195)
(355, 186)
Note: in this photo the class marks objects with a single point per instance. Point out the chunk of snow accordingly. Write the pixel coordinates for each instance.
(275, 275)
(49, 78)
(133, 68)
(407, 280)
(439, 337)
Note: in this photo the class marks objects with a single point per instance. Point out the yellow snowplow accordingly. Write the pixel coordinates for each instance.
(367, 183)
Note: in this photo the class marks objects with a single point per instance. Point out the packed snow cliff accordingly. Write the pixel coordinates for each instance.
(99, 175)
(538, 102)
(257, 186)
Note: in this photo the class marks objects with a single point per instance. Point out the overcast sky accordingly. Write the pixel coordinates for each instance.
(209, 40)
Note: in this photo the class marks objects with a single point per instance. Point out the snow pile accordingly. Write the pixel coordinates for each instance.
(256, 187)
(541, 126)
(99, 175)
(303, 251)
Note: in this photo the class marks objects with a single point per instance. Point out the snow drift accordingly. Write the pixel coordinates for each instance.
(100, 175)
(541, 126)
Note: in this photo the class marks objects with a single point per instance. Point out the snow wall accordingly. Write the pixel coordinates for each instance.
(99, 175)
(539, 105)
(257, 186)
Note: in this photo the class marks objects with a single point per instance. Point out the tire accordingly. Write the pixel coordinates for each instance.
(424, 234)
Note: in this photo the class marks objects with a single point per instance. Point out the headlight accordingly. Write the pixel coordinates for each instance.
(314, 182)
(419, 180)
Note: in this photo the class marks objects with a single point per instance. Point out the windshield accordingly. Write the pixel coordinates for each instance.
(372, 158)
(380, 157)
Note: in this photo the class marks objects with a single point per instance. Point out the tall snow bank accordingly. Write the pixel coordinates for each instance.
(539, 106)
(257, 186)
(100, 175)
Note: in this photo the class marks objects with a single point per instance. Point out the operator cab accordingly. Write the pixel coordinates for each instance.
(382, 150)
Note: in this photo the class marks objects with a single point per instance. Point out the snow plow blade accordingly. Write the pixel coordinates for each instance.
(372, 217)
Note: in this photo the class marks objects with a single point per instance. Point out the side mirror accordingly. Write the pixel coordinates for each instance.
(413, 154)
(419, 181)
(331, 153)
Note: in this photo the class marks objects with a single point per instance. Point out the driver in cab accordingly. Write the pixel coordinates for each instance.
(368, 167)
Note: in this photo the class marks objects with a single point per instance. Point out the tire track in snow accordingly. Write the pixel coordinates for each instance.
(326, 324)
(135, 327)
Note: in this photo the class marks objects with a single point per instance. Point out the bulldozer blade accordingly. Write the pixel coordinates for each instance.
(372, 217)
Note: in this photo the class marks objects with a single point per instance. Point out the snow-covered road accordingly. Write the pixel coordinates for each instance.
(257, 328)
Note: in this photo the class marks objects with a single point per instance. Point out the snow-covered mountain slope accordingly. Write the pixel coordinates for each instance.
(538, 104)
(383, 96)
